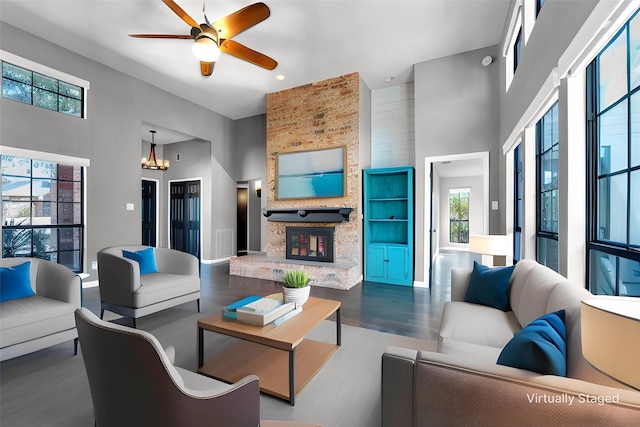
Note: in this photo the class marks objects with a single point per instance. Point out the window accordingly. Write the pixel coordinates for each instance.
(42, 210)
(459, 215)
(539, 4)
(518, 209)
(517, 50)
(613, 115)
(23, 85)
(547, 183)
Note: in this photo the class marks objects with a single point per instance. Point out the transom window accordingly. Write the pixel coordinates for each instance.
(517, 50)
(459, 215)
(547, 204)
(613, 80)
(42, 210)
(23, 85)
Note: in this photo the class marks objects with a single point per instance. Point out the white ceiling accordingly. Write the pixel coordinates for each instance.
(312, 40)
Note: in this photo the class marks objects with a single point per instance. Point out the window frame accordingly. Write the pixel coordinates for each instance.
(453, 191)
(518, 196)
(517, 49)
(31, 227)
(540, 233)
(34, 88)
(621, 251)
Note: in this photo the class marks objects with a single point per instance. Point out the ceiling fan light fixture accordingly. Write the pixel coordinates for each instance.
(206, 48)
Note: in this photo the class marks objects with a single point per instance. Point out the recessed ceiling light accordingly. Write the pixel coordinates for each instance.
(388, 79)
(280, 77)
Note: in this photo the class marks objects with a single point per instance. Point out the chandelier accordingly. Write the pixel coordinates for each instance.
(152, 162)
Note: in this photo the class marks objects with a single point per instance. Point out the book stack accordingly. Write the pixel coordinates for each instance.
(261, 311)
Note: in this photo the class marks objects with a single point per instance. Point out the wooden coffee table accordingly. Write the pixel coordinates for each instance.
(264, 350)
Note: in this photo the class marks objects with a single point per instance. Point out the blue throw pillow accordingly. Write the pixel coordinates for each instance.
(145, 257)
(540, 347)
(489, 286)
(15, 282)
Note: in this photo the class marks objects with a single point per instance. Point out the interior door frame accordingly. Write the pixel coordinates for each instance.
(169, 182)
(429, 235)
(158, 191)
(244, 186)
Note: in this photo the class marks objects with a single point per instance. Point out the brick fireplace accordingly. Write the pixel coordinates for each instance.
(312, 117)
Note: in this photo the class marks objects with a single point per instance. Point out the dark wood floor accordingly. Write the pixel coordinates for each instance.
(408, 311)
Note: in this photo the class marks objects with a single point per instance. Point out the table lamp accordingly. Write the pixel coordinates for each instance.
(611, 337)
(494, 248)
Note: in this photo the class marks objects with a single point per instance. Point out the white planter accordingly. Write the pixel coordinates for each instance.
(299, 295)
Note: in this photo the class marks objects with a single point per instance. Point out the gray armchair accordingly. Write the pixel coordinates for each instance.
(45, 319)
(123, 290)
(133, 382)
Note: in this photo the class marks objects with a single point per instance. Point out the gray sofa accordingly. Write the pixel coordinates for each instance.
(461, 384)
(123, 290)
(32, 323)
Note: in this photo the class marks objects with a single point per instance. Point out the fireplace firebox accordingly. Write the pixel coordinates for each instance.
(310, 243)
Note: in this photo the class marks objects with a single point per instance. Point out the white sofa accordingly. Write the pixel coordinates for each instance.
(123, 290)
(461, 384)
(32, 323)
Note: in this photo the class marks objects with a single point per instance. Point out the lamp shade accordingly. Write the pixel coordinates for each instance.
(488, 244)
(206, 49)
(611, 337)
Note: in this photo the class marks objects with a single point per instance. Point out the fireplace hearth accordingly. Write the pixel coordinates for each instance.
(310, 243)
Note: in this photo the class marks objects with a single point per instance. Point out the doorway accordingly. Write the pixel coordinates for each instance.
(149, 212)
(184, 216)
(441, 174)
(243, 199)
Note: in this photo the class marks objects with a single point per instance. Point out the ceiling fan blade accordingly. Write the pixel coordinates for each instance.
(241, 51)
(160, 36)
(181, 13)
(242, 19)
(206, 68)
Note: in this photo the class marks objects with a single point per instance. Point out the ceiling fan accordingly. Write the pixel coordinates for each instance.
(210, 39)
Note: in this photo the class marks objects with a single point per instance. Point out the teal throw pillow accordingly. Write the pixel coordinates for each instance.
(15, 282)
(145, 257)
(540, 347)
(489, 286)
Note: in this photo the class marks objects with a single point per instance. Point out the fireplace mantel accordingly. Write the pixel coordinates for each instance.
(308, 214)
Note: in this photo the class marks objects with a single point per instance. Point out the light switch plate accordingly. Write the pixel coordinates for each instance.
(130, 206)
(494, 205)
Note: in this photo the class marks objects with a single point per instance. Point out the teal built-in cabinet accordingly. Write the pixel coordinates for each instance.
(388, 225)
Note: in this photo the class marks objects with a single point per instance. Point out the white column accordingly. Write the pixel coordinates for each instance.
(572, 178)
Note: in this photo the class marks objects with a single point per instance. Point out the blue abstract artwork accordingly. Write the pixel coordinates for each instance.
(311, 174)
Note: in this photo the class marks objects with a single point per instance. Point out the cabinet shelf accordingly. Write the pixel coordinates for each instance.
(390, 199)
(388, 225)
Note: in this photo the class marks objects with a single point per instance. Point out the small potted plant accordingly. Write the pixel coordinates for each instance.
(295, 286)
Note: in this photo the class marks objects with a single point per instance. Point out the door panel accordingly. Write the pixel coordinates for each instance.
(185, 217)
(149, 213)
(375, 265)
(397, 257)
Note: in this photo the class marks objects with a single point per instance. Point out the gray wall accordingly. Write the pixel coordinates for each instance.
(250, 153)
(110, 138)
(456, 107)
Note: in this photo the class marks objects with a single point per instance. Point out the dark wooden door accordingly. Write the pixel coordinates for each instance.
(149, 225)
(185, 217)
